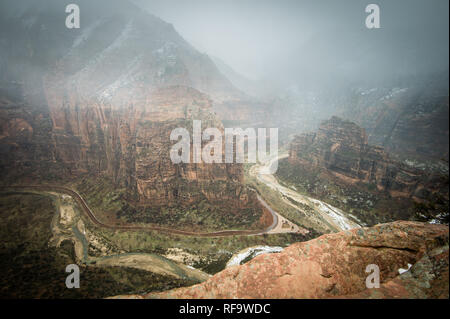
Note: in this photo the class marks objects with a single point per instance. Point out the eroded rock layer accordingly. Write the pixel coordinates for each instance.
(103, 102)
(340, 147)
(130, 144)
(334, 265)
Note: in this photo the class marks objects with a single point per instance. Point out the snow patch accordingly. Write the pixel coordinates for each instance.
(126, 78)
(393, 93)
(439, 218)
(253, 252)
(118, 42)
(402, 270)
(369, 91)
(336, 214)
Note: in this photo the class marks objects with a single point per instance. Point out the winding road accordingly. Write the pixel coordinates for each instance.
(96, 221)
(279, 223)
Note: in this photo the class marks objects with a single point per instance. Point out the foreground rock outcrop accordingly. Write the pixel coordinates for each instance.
(334, 265)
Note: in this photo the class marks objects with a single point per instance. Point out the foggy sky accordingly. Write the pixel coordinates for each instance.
(291, 41)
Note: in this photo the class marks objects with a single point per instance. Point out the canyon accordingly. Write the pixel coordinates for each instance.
(86, 136)
(341, 147)
(86, 114)
(338, 155)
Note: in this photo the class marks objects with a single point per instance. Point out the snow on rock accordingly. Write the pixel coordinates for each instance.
(130, 71)
(252, 252)
(394, 92)
(439, 218)
(402, 270)
(369, 91)
(117, 44)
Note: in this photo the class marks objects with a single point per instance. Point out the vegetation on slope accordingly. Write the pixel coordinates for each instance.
(112, 205)
(32, 269)
(361, 200)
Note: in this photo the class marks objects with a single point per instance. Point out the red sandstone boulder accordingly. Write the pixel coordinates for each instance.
(334, 265)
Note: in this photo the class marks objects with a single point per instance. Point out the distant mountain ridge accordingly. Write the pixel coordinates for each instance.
(118, 46)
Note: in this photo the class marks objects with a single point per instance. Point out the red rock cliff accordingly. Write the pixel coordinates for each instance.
(334, 265)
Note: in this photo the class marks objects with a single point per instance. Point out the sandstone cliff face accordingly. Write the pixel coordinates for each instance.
(157, 178)
(334, 265)
(130, 144)
(340, 147)
(103, 100)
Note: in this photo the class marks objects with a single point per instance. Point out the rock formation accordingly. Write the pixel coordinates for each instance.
(103, 102)
(334, 265)
(341, 149)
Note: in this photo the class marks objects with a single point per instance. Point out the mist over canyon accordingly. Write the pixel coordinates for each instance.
(86, 116)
